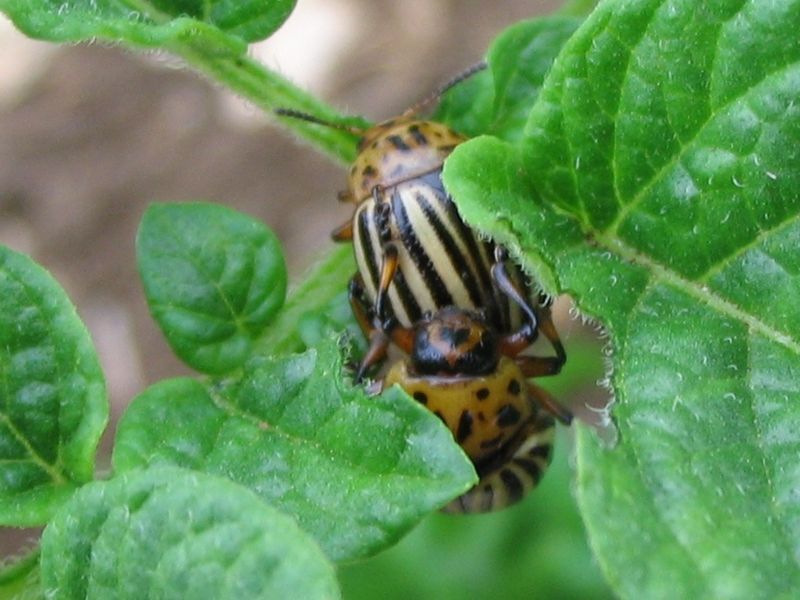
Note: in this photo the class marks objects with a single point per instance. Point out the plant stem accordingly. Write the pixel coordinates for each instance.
(269, 90)
(314, 292)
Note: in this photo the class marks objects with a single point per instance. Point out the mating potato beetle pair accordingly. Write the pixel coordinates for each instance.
(452, 302)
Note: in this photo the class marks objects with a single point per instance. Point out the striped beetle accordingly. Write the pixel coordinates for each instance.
(474, 380)
(413, 251)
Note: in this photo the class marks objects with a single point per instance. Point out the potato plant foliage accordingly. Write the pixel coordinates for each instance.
(643, 159)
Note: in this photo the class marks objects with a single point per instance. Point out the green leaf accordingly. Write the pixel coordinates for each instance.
(535, 549)
(214, 279)
(658, 185)
(498, 100)
(171, 533)
(221, 24)
(53, 405)
(356, 471)
(20, 577)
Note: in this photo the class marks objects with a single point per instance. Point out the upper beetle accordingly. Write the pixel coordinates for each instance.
(414, 253)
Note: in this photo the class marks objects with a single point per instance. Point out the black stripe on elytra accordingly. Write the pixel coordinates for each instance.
(460, 265)
(418, 254)
(464, 429)
(434, 182)
(531, 467)
(407, 299)
(513, 484)
(482, 265)
(367, 249)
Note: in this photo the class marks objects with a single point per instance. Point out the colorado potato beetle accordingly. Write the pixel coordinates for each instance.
(474, 379)
(413, 251)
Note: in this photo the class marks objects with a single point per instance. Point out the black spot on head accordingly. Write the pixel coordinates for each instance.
(482, 394)
(397, 142)
(454, 336)
(513, 484)
(507, 416)
(368, 171)
(464, 426)
(421, 397)
(514, 387)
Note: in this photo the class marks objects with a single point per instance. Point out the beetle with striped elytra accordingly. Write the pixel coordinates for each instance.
(414, 253)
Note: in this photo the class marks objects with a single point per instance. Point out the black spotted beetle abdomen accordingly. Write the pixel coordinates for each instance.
(504, 423)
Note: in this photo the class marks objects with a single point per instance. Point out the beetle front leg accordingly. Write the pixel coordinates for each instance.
(389, 251)
(538, 320)
(388, 270)
(545, 401)
(378, 340)
(344, 232)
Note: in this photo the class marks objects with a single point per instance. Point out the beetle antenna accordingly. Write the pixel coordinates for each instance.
(442, 89)
(296, 114)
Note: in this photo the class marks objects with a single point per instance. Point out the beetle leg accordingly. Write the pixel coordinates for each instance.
(509, 288)
(388, 269)
(547, 327)
(403, 337)
(378, 343)
(538, 320)
(389, 259)
(355, 294)
(345, 196)
(538, 366)
(344, 232)
(545, 401)
(378, 340)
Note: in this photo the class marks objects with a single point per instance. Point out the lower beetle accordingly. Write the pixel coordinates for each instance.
(475, 380)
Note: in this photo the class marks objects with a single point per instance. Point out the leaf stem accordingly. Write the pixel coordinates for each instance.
(316, 289)
(268, 90)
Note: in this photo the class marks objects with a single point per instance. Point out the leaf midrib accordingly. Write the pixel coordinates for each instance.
(663, 274)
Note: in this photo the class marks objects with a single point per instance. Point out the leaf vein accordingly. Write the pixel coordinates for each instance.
(642, 194)
(699, 291)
